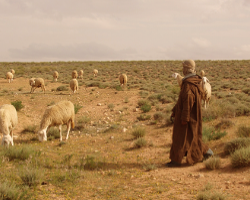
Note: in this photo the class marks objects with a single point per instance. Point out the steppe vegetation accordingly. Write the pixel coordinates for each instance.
(122, 136)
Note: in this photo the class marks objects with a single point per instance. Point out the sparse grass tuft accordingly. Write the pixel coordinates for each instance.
(111, 106)
(17, 104)
(77, 107)
(53, 133)
(241, 157)
(224, 124)
(236, 144)
(209, 133)
(31, 176)
(146, 108)
(29, 129)
(140, 142)
(62, 88)
(18, 153)
(144, 117)
(9, 191)
(139, 132)
(212, 163)
(243, 131)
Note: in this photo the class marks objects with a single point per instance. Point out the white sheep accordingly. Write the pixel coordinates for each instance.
(55, 75)
(95, 72)
(73, 85)
(207, 91)
(12, 71)
(9, 77)
(123, 79)
(178, 77)
(36, 83)
(56, 115)
(202, 73)
(8, 121)
(74, 74)
(81, 74)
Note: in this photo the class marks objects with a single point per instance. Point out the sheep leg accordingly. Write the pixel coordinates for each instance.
(11, 132)
(68, 129)
(60, 131)
(205, 104)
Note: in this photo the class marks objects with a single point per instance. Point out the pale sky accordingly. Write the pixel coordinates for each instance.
(103, 30)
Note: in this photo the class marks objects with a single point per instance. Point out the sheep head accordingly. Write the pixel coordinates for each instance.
(7, 139)
(42, 136)
(174, 75)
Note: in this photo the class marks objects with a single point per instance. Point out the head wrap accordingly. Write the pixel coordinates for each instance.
(188, 67)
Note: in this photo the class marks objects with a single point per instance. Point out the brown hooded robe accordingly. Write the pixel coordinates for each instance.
(188, 138)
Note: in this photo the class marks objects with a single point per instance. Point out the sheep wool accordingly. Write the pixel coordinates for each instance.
(95, 72)
(8, 121)
(55, 75)
(9, 77)
(81, 74)
(207, 91)
(12, 71)
(123, 79)
(74, 74)
(73, 85)
(36, 83)
(56, 115)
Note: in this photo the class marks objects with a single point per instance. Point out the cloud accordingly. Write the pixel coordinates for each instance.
(201, 42)
(81, 52)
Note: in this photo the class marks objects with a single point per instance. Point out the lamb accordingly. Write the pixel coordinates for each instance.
(8, 121)
(207, 91)
(73, 85)
(202, 73)
(95, 72)
(74, 74)
(81, 74)
(9, 76)
(56, 115)
(55, 75)
(36, 83)
(123, 79)
(178, 77)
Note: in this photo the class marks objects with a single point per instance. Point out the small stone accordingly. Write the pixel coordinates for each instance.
(99, 104)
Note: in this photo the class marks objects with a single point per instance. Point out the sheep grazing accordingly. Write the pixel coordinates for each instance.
(81, 74)
(36, 83)
(56, 115)
(9, 77)
(8, 121)
(202, 73)
(55, 75)
(73, 85)
(207, 91)
(95, 72)
(74, 74)
(123, 79)
(178, 77)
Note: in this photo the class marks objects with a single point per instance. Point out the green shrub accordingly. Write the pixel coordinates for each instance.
(53, 133)
(31, 176)
(159, 116)
(77, 107)
(140, 142)
(142, 102)
(111, 106)
(17, 104)
(209, 133)
(243, 131)
(212, 163)
(241, 157)
(9, 191)
(62, 88)
(144, 117)
(146, 108)
(224, 123)
(29, 129)
(19, 153)
(236, 144)
(139, 132)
